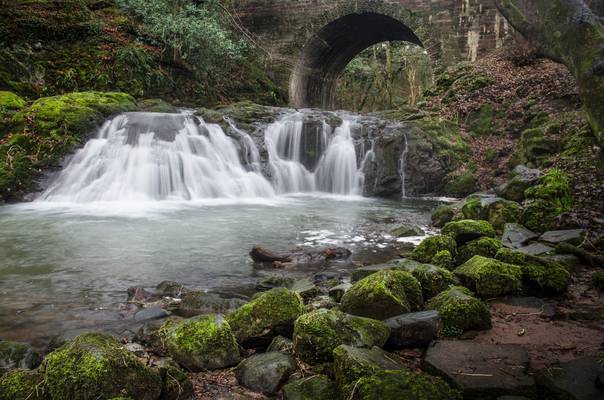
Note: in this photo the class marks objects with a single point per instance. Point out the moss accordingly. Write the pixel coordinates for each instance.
(429, 247)
(95, 365)
(11, 101)
(482, 122)
(156, 105)
(403, 384)
(546, 201)
(176, 384)
(484, 246)
(461, 185)
(317, 333)
(466, 230)
(316, 387)
(19, 384)
(267, 316)
(473, 209)
(441, 215)
(443, 259)
(445, 138)
(17, 355)
(597, 280)
(503, 212)
(432, 279)
(489, 277)
(406, 231)
(203, 342)
(536, 147)
(460, 310)
(383, 295)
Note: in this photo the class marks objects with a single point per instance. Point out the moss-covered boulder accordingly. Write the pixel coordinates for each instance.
(271, 314)
(537, 147)
(383, 295)
(317, 333)
(473, 208)
(96, 366)
(199, 303)
(502, 212)
(432, 279)
(466, 230)
(10, 103)
(484, 246)
(315, 387)
(403, 384)
(407, 230)
(443, 259)
(20, 384)
(523, 179)
(460, 311)
(201, 343)
(441, 215)
(546, 201)
(17, 355)
(462, 185)
(429, 247)
(489, 277)
(265, 372)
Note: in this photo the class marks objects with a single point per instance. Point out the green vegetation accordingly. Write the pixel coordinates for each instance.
(20, 384)
(401, 384)
(433, 245)
(460, 311)
(546, 201)
(489, 277)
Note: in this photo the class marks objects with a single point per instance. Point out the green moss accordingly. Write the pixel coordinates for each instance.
(466, 230)
(461, 185)
(546, 201)
(383, 295)
(267, 316)
(443, 259)
(432, 279)
(317, 333)
(445, 138)
(316, 387)
(403, 384)
(176, 384)
(473, 209)
(503, 212)
(429, 247)
(489, 277)
(597, 280)
(19, 384)
(484, 246)
(441, 215)
(482, 122)
(536, 147)
(460, 310)
(11, 101)
(17, 355)
(95, 365)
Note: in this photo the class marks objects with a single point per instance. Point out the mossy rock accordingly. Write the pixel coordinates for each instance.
(317, 333)
(443, 259)
(156, 106)
(546, 201)
(432, 279)
(429, 247)
(19, 384)
(489, 277)
(199, 303)
(95, 365)
(484, 246)
(403, 384)
(10, 103)
(460, 311)
(203, 342)
(271, 314)
(441, 215)
(383, 295)
(537, 147)
(523, 179)
(407, 231)
(176, 384)
(467, 230)
(462, 185)
(503, 212)
(17, 355)
(316, 387)
(473, 208)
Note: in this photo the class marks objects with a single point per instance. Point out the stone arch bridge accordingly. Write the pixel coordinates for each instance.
(310, 42)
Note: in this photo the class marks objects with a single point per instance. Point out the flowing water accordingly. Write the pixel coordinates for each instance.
(168, 197)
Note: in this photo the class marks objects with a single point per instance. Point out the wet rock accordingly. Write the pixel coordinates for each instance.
(95, 365)
(403, 384)
(363, 272)
(482, 371)
(320, 302)
(536, 249)
(486, 247)
(281, 344)
(572, 236)
(316, 387)
(17, 355)
(305, 288)
(576, 380)
(265, 372)
(172, 289)
(317, 333)
(337, 292)
(467, 230)
(432, 279)
(441, 215)
(297, 258)
(142, 295)
(431, 246)
(407, 231)
(19, 384)
(201, 343)
(443, 259)
(152, 333)
(199, 303)
(460, 311)
(516, 236)
(176, 384)
(324, 276)
(272, 313)
(383, 295)
(150, 313)
(274, 281)
(413, 330)
(352, 363)
(489, 277)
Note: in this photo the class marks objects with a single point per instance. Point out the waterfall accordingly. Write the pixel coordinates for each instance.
(139, 157)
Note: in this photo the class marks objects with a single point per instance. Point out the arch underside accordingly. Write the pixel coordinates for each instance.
(326, 54)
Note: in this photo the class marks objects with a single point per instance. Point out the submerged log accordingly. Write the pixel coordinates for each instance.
(300, 257)
(261, 254)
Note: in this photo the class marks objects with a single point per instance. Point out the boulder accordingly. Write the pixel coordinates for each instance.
(19, 384)
(17, 355)
(316, 387)
(201, 343)
(265, 372)
(406, 230)
(338, 291)
(274, 281)
(524, 178)
(272, 313)
(482, 371)
(441, 215)
(199, 303)
(171, 289)
(403, 384)
(352, 363)
(305, 288)
(572, 236)
(467, 230)
(411, 330)
(484, 246)
(151, 313)
(489, 277)
(502, 212)
(281, 344)
(430, 246)
(317, 333)
(460, 311)
(96, 366)
(516, 236)
(569, 261)
(383, 295)
(443, 259)
(546, 201)
(573, 380)
(364, 271)
(432, 279)
(536, 249)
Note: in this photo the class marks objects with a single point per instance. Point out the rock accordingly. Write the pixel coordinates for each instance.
(64, 337)
(172, 289)
(338, 291)
(176, 384)
(17, 355)
(317, 333)
(482, 371)
(516, 236)
(265, 372)
(363, 272)
(201, 343)
(489, 277)
(316, 387)
(523, 179)
(431, 246)
(281, 344)
(460, 311)
(484, 246)
(142, 295)
(19, 384)
(272, 313)
(466, 230)
(546, 201)
(407, 231)
(199, 303)
(536, 249)
(461, 185)
(320, 302)
(352, 363)
(572, 236)
(403, 384)
(441, 215)
(156, 106)
(95, 365)
(574, 380)
(569, 261)
(305, 288)
(502, 212)
(432, 279)
(150, 313)
(152, 333)
(443, 259)
(324, 276)
(413, 330)
(136, 349)
(383, 295)
(274, 281)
